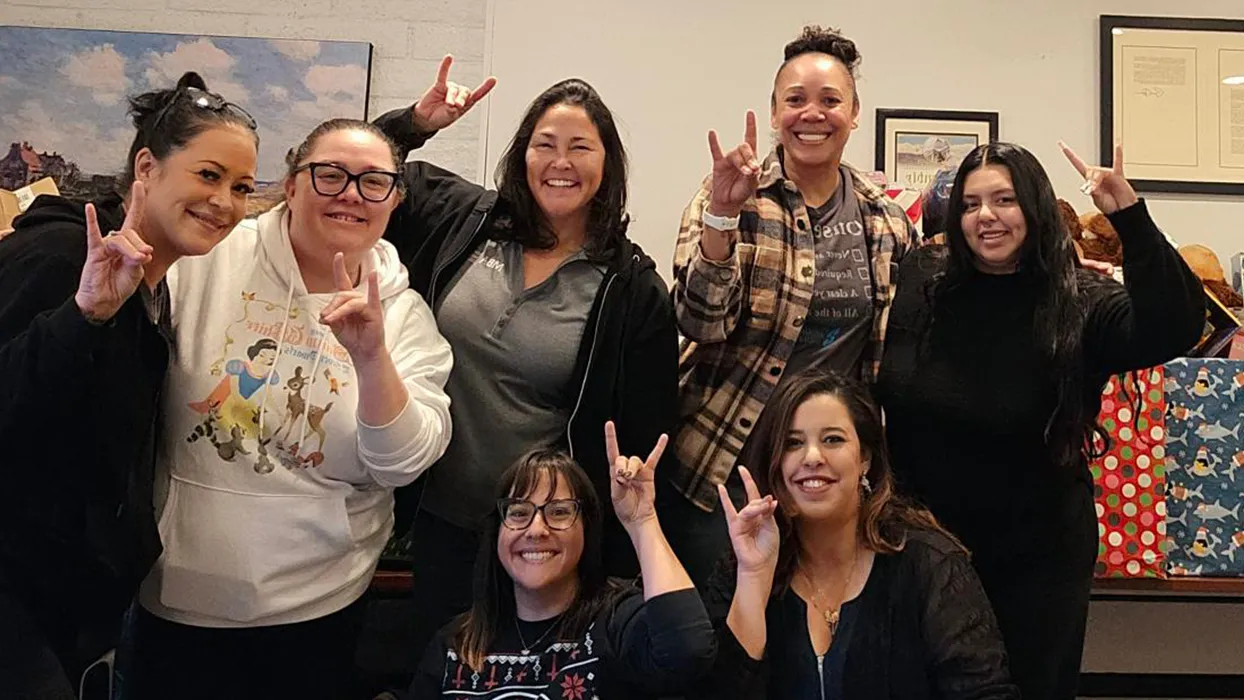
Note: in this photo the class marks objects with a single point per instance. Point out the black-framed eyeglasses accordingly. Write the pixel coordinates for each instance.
(208, 100)
(518, 513)
(331, 180)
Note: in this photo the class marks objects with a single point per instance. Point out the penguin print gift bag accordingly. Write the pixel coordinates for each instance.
(1128, 477)
(1205, 467)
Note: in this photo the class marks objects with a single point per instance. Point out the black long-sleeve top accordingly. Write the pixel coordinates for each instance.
(967, 410)
(634, 649)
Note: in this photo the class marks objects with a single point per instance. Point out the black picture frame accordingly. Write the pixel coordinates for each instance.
(989, 120)
(1106, 31)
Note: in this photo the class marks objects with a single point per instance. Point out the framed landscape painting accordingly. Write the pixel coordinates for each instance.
(64, 92)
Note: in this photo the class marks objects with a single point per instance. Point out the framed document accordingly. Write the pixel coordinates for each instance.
(1172, 92)
(913, 145)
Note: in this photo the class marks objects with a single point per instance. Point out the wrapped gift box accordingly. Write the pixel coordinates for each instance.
(1129, 479)
(1205, 467)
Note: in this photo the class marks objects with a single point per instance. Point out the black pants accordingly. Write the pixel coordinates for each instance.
(312, 660)
(699, 539)
(442, 565)
(29, 669)
(1041, 600)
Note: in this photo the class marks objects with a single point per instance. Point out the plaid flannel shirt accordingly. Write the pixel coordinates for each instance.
(741, 317)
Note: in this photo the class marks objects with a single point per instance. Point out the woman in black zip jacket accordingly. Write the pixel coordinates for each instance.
(84, 333)
(557, 320)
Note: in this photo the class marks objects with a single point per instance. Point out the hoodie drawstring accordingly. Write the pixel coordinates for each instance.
(280, 347)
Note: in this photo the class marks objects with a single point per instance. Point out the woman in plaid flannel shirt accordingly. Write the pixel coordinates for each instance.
(800, 278)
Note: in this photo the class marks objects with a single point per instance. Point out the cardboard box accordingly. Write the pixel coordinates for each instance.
(15, 202)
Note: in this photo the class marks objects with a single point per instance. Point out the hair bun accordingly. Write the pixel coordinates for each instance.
(190, 79)
(143, 107)
(827, 40)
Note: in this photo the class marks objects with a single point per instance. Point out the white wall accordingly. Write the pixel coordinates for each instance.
(672, 69)
(408, 36)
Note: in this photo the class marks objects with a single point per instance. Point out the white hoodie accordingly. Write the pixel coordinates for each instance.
(290, 529)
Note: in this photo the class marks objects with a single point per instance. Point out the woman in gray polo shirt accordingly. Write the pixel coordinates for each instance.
(557, 320)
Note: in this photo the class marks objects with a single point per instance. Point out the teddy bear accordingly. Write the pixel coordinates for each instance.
(1099, 240)
(1206, 266)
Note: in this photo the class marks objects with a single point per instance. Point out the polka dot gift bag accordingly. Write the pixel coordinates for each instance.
(1129, 477)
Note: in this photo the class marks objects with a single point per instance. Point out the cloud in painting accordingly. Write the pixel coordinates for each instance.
(203, 57)
(101, 70)
(301, 51)
(62, 132)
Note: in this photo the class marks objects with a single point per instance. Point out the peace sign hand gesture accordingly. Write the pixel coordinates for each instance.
(357, 319)
(114, 263)
(753, 530)
(445, 102)
(736, 174)
(1109, 189)
(632, 483)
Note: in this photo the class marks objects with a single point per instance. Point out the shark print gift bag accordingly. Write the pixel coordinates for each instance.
(1205, 466)
(1128, 479)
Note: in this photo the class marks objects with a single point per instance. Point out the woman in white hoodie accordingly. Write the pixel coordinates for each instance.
(308, 383)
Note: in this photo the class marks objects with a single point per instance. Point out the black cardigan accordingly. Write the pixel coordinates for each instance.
(923, 629)
(627, 366)
(77, 419)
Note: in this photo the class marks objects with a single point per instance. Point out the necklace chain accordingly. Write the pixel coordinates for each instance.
(527, 647)
(832, 617)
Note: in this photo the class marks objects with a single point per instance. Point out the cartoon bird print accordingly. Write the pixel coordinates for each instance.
(335, 385)
(1179, 412)
(1183, 493)
(1237, 383)
(1205, 464)
(1205, 384)
(1237, 542)
(1178, 570)
(1202, 546)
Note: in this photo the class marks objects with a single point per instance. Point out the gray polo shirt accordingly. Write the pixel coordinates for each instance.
(514, 356)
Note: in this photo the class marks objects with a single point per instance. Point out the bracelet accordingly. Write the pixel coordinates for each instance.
(721, 223)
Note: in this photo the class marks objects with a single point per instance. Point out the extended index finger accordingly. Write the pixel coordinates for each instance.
(134, 211)
(442, 74)
(611, 442)
(1076, 161)
(340, 276)
(749, 485)
(714, 146)
(749, 134)
(480, 92)
(93, 238)
(659, 449)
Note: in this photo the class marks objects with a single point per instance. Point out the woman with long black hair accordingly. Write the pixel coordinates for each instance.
(997, 353)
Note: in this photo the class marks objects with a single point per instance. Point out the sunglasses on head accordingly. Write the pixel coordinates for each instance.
(210, 101)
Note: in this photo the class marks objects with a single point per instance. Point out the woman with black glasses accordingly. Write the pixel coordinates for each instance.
(546, 622)
(83, 352)
(308, 384)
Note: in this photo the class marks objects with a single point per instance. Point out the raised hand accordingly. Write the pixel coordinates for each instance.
(114, 263)
(753, 530)
(357, 319)
(632, 483)
(735, 174)
(1109, 189)
(445, 102)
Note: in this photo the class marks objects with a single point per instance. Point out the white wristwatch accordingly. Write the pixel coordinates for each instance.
(721, 223)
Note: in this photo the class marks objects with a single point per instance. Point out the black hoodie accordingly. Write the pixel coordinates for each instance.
(627, 366)
(77, 425)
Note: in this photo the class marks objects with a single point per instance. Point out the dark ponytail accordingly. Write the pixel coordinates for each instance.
(166, 120)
